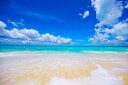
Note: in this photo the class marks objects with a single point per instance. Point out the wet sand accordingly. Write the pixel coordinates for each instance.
(92, 68)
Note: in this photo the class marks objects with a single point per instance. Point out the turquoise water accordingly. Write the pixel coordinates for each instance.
(60, 48)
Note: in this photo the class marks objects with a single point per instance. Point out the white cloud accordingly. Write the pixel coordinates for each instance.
(120, 31)
(2, 26)
(30, 35)
(126, 20)
(13, 23)
(107, 11)
(16, 23)
(80, 14)
(118, 34)
(50, 38)
(91, 39)
(126, 6)
(99, 36)
(86, 13)
(109, 30)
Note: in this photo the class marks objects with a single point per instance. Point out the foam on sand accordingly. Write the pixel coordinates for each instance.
(98, 77)
(63, 69)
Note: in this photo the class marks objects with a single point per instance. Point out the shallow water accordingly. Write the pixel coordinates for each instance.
(42, 49)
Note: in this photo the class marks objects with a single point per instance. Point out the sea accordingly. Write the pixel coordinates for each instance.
(41, 49)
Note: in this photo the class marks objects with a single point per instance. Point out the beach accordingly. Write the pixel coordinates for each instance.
(64, 68)
(63, 42)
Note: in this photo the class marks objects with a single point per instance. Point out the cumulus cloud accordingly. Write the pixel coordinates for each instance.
(2, 25)
(99, 36)
(86, 13)
(107, 11)
(30, 35)
(119, 31)
(118, 34)
(50, 38)
(109, 30)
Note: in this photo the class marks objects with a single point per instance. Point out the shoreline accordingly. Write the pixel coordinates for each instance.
(65, 52)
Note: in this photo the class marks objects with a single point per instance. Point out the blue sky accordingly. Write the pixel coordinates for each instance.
(70, 22)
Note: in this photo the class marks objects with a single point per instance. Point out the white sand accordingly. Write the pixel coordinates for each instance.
(92, 68)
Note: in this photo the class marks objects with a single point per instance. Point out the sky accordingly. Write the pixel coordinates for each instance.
(64, 22)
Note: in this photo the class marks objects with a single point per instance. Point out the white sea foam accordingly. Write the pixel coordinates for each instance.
(98, 77)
